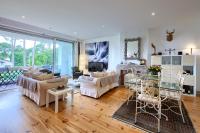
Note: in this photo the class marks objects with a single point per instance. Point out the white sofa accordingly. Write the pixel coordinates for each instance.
(98, 83)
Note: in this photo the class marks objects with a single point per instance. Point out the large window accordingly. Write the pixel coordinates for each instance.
(19, 52)
(22, 50)
(5, 51)
(44, 54)
(29, 51)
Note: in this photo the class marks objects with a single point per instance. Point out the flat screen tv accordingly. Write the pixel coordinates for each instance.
(95, 66)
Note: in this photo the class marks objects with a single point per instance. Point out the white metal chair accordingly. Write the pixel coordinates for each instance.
(176, 96)
(132, 83)
(149, 97)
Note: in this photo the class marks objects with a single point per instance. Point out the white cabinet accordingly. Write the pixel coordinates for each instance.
(172, 65)
(189, 80)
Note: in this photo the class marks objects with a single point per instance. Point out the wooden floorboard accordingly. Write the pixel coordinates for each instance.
(19, 114)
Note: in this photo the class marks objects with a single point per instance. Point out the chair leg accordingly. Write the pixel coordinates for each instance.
(159, 125)
(180, 107)
(159, 117)
(136, 112)
(128, 96)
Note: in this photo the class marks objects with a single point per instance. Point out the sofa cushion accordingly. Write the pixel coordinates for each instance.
(55, 80)
(86, 78)
(30, 71)
(98, 74)
(42, 76)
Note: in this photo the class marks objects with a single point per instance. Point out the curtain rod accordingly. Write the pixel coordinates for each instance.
(32, 33)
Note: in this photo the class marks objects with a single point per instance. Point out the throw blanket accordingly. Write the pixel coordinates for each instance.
(108, 80)
(27, 83)
(100, 82)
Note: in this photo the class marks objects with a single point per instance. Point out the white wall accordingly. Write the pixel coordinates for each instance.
(187, 35)
(116, 47)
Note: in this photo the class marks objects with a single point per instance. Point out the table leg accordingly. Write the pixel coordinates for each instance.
(47, 100)
(56, 104)
(63, 97)
(72, 97)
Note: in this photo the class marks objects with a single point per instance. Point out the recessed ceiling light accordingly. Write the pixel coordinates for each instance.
(153, 13)
(23, 17)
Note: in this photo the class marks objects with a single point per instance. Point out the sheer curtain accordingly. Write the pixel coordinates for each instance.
(63, 59)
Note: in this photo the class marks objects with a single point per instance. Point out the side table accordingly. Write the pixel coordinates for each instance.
(58, 93)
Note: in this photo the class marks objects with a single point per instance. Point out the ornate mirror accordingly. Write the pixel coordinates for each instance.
(132, 49)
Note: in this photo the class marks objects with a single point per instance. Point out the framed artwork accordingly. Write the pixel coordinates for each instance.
(98, 52)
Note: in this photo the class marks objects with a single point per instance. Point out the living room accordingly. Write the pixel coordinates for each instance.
(99, 66)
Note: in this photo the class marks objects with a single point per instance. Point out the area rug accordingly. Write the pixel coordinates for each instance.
(146, 122)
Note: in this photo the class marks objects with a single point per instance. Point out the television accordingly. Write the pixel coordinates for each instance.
(95, 66)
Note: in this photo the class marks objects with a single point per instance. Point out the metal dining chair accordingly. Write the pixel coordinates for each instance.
(132, 84)
(175, 96)
(149, 97)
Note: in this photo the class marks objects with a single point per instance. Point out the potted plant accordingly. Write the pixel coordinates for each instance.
(154, 69)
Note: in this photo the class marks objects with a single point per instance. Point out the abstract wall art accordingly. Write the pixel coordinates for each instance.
(98, 52)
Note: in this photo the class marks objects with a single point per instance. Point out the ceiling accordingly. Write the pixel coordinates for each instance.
(87, 19)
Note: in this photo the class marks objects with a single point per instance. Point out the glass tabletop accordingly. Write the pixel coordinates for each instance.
(163, 84)
(170, 86)
(138, 78)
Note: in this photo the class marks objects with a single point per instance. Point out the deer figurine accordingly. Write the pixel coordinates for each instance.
(170, 35)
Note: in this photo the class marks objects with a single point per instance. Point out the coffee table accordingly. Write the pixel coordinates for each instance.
(57, 93)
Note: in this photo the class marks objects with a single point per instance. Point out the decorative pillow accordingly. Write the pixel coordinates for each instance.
(30, 71)
(87, 78)
(42, 76)
(48, 76)
(28, 74)
(55, 80)
(45, 71)
(98, 74)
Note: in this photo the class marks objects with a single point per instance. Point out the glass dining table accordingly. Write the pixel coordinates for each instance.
(164, 85)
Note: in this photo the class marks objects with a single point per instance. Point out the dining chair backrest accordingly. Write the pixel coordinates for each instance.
(130, 70)
(150, 88)
(181, 81)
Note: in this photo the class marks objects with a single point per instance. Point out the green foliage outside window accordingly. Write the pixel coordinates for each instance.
(43, 55)
(5, 51)
(18, 56)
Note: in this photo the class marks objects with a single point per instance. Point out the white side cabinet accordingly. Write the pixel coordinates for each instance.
(172, 65)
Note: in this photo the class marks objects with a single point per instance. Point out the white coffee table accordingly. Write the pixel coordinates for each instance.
(58, 93)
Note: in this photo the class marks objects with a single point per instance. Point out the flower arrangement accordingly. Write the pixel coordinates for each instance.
(154, 69)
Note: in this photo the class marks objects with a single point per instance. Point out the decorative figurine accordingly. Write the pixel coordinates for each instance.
(154, 48)
(170, 35)
(170, 50)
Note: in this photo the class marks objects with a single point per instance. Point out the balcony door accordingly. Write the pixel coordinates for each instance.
(63, 59)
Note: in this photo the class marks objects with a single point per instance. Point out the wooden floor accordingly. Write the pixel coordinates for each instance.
(18, 114)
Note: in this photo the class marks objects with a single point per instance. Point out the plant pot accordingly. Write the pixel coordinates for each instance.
(154, 73)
